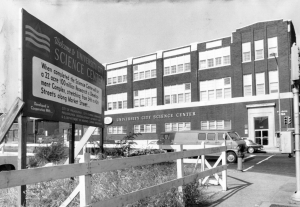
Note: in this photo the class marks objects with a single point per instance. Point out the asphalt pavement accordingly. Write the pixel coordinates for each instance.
(255, 188)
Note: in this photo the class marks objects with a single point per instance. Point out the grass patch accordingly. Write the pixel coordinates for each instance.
(110, 184)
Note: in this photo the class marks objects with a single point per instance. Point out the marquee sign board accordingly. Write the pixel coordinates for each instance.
(61, 82)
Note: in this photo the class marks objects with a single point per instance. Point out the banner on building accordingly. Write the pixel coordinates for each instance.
(61, 82)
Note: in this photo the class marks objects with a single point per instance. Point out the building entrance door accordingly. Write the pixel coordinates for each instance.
(261, 123)
(261, 128)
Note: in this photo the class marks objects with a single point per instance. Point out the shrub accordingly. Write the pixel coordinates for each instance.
(53, 153)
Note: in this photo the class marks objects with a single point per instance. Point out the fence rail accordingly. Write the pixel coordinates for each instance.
(10, 179)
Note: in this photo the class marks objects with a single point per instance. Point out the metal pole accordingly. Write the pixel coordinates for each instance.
(279, 105)
(296, 196)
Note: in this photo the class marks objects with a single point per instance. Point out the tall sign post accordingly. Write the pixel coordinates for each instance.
(59, 81)
(295, 79)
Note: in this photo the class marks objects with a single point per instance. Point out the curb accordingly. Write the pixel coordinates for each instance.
(270, 204)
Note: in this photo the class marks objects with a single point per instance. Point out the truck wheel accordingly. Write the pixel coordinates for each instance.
(251, 150)
(231, 157)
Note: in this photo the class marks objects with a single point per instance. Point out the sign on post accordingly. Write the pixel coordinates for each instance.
(61, 82)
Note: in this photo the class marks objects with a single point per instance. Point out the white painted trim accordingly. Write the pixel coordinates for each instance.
(129, 61)
(260, 105)
(159, 54)
(144, 59)
(213, 44)
(266, 97)
(194, 46)
(116, 65)
(178, 51)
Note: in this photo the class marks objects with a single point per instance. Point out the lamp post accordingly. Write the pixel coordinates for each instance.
(279, 105)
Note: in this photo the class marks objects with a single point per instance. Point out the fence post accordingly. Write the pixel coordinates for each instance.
(224, 172)
(202, 161)
(85, 183)
(180, 172)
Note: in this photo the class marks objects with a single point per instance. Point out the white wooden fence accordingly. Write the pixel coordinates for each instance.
(85, 170)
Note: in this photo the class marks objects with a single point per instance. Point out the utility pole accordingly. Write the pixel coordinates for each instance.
(295, 78)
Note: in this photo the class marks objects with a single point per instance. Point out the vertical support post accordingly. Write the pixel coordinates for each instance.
(224, 172)
(22, 135)
(85, 183)
(33, 131)
(202, 161)
(296, 196)
(180, 172)
(72, 144)
(101, 140)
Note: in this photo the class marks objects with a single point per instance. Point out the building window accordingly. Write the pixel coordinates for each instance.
(273, 81)
(215, 89)
(145, 97)
(215, 124)
(218, 61)
(144, 71)
(145, 128)
(116, 130)
(177, 93)
(247, 80)
(202, 64)
(259, 49)
(179, 126)
(177, 65)
(117, 101)
(116, 76)
(226, 60)
(246, 47)
(167, 71)
(260, 83)
(210, 63)
(187, 67)
(214, 58)
(272, 47)
(180, 68)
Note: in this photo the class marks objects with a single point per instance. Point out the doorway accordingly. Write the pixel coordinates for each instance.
(261, 127)
(261, 122)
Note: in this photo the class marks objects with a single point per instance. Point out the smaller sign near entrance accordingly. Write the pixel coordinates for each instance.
(61, 82)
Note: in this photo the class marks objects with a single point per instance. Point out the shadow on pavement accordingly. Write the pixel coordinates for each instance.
(230, 191)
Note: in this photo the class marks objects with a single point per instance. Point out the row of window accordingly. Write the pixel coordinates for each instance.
(175, 126)
(178, 93)
(214, 58)
(216, 124)
(116, 130)
(144, 98)
(259, 49)
(144, 71)
(215, 89)
(177, 65)
(260, 83)
(117, 101)
(117, 76)
(209, 90)
(182, 64)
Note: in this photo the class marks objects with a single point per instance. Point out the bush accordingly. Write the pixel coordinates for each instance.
(53, 153)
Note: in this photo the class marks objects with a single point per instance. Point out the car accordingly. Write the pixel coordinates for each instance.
(252, 146)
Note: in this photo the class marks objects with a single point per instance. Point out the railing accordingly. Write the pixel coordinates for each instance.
(87, 168)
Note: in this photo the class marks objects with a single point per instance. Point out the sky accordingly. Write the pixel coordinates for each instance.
(112, 31)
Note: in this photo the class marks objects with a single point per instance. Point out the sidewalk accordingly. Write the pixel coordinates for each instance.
(253, 189)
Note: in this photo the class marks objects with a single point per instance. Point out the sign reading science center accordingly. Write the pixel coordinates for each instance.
(61, 82)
